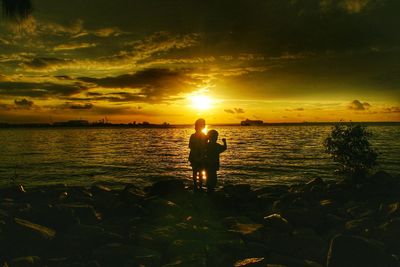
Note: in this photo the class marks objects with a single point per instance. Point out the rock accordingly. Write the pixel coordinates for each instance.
(334, 221)
(23, 237)
(84, 212)
(193, 260)
(158, 206)
(390, 235)
(57, 217)
(275, 259)
(359, 226)
(391, 210)
(276, 221)
(185, 247)
(166, 187)
(253, 262)
(356, 251)
(305, 217)
(83, 238)
(29, 261)
(117, 254)
(240, 192)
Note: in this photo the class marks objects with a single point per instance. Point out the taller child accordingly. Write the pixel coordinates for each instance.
(197, 145)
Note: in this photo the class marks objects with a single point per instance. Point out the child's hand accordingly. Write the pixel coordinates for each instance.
(224, 140)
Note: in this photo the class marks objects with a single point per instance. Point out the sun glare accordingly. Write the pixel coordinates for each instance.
(200, 102)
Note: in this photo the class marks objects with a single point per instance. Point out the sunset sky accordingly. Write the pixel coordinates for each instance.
(176, 60)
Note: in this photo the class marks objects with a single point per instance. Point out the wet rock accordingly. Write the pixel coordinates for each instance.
(83, 238)
(158, 206)
(251, 262)
(334, 221)
(185, 247)
(167, 187)
(117, 254)
(276, 221)
(22, 237)
(29, 261)
(285, 260)
(390, 232)
(193, 260)
(391, 210)
(305, 217)
(356, 251)
(84, 212)
(359, 226)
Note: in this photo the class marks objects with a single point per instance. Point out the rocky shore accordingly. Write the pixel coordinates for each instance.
(333, 224)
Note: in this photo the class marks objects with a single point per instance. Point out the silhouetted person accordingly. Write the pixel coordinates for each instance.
(213, 149)
(197, 145)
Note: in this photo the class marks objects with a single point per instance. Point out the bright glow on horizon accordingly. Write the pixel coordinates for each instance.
(200, 102)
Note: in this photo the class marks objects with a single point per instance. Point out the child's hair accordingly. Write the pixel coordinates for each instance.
(199, 124)
(212, 135)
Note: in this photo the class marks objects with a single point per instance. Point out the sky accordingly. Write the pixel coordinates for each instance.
(177, 60)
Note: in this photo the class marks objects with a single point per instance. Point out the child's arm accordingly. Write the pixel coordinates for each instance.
(224, 146)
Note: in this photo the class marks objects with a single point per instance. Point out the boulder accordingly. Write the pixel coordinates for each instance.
(359, 226)
(118, 254)
(84, 212)
(28, 261)
(305, 217)
(276, 221)
(357, 251)
(166, 187)
(251, 262)
(390, 232)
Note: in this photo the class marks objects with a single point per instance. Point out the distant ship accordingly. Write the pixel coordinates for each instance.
(251, 122)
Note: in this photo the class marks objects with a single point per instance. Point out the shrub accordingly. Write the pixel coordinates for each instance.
(349, 146)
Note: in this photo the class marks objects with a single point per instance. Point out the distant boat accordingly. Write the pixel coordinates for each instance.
(251, 122)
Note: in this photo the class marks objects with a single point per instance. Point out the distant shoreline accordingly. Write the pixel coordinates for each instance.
(168, 126)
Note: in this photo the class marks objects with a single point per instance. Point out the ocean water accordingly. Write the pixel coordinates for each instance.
(255, 155)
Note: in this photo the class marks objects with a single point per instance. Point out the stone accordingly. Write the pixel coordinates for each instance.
(305, 217)
(357, 251)
(276, 221)
(85, 212)
(28, 261)
(118, 254)
(390, 234)
(253, 262)
(166, 187)
(359, 226)
(158, 206)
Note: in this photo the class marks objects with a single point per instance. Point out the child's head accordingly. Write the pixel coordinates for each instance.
(212, 136)
(199, 125)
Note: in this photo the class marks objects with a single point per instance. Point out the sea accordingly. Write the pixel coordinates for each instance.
(260, 156)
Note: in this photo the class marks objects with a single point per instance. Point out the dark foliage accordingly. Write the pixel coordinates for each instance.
(17, 9)
(349, 146)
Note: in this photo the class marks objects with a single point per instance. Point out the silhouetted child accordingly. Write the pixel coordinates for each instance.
(213, 149)
(197, 145)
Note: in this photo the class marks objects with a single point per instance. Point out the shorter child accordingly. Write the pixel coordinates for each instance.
(213, 149)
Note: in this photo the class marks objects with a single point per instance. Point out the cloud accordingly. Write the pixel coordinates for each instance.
(107, 32)
(73, 46)
(235, 110)
(149, 85)
(78, 106)
(392, 110)
(43, 63)
(23, 103)
(39, 89)
(357, 105)
(295, 109)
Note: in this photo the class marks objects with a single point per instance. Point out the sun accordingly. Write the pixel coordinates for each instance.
(201, 102)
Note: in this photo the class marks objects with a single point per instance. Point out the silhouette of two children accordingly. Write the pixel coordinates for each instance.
(204, 156)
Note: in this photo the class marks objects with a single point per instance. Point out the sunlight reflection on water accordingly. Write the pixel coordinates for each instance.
(257, 155)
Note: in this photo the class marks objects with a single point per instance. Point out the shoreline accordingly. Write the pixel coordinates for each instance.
(307, 224)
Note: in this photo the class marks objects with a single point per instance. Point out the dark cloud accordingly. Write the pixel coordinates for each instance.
(42, 90)
(295, 109)
(45, 63)
(235, 110)
(357, 105)
(79, 106)
(392, 110)
(23, 103)
(149, 85)
(239, 110)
